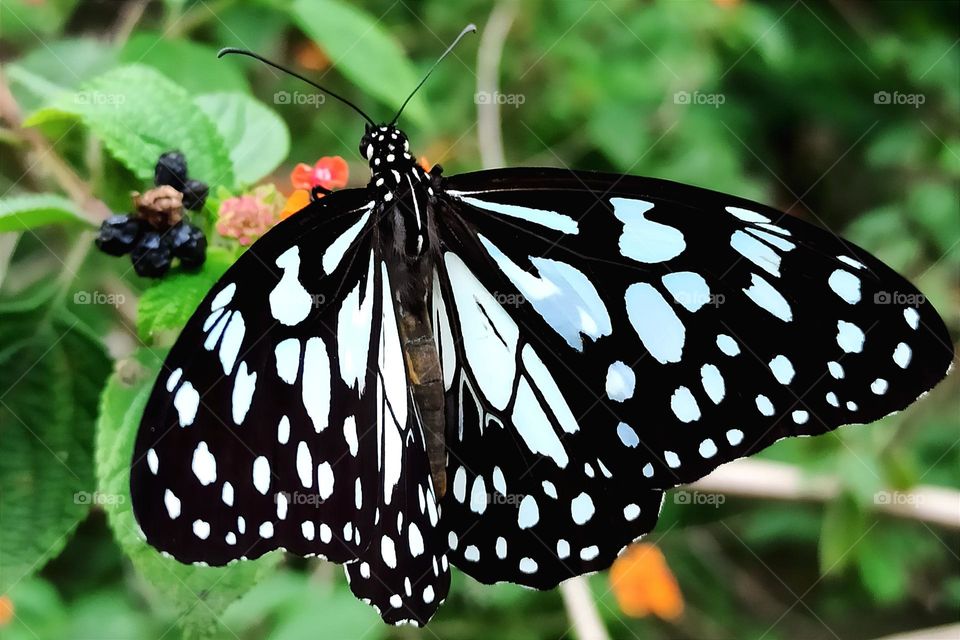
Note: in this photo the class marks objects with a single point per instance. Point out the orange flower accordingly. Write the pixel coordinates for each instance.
(6, 610)
(330, 172)
(297, 201)
(309, 56)
(424, 164)
(643, 583)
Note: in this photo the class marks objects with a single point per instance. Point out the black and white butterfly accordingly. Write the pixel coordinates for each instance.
(504, 371)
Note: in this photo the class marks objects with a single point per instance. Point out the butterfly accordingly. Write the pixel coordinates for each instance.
(504, 371)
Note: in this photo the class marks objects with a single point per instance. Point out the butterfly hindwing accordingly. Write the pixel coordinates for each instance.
(241, 449)
(405, 572)
(521, 506)
(683, 328)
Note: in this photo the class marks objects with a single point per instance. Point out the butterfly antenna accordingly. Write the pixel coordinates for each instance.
(256, 56)
(470, 28)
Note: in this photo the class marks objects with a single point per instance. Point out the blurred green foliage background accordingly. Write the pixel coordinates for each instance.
(844, 112)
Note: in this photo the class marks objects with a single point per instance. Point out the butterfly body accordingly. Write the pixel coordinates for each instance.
(504, 370)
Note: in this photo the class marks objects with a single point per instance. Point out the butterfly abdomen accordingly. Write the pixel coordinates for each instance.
(426, 382)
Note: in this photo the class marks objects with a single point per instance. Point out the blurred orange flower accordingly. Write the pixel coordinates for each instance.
(424, 164)
(329, 172)
(6, 610)
(309, 56)
(643, 583)
(297, 201)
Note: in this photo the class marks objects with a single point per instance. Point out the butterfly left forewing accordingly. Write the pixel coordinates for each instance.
(260, 422)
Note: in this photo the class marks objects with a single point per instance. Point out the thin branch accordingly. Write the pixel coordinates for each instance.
(946, 632)
(582, 610)
(72, 184)
(489, 53)
(778, 481)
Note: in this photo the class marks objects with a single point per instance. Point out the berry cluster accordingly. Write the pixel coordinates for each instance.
(156, 232)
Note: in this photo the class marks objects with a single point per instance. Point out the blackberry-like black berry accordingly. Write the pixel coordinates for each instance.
(194, 195)
(118, 234)
(152, 254)
(189, 244)
(171, 170)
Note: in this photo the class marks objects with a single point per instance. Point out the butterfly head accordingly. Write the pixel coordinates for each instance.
(385, 147)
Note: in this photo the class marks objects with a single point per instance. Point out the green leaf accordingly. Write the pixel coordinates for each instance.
(35, 210)
(256, 136)
(46, 422)
(363, 51)
(882, 565)
(139, 114)
(193, 66)
(200, 594)
(167, 305)
(56, 68)
(844, 525)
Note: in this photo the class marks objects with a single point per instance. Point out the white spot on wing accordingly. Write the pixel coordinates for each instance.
(261, 474)
(290, 303)
(534, 427)
(684, 405)
(746, 215)
(316, 383)
(204, 465)
(850, 337)
(846, 285)
(287, 353)
(304, 464)
(186, 401)
(621, 381)
(765, 296)
(489, 334)
(543, 217)
(689, 289)
(335, 252)
(645, 240)
(712, 382)
(243, 387)
(656, 323)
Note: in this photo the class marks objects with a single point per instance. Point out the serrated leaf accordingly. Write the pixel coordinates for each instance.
(256, 136)
(139, 114)
(46, 435)
(193, 66)
(199, 594)
(363, 51)
(167, 305)
(29, 211)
